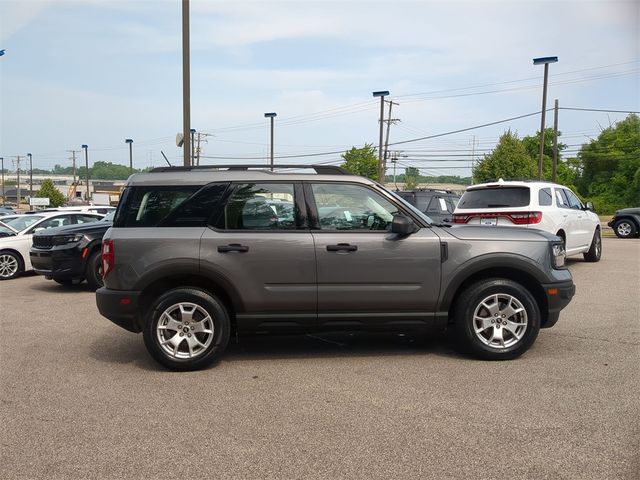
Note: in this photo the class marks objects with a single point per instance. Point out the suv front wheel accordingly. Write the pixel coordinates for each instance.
(496, 319)
(186, 329)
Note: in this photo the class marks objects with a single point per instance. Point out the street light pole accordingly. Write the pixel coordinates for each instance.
(30, 176)
(271, 116)
(86, 166)
(130, 142)
(543, 61)
(2, 171)
(554, 164)
(381, 94)
(186, 94)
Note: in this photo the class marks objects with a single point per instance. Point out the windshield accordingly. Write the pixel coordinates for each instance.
(411, 207)
(6, 230)
(23, 222)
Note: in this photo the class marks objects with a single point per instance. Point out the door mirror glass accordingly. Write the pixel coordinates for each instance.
(402, 225)
(590, 206)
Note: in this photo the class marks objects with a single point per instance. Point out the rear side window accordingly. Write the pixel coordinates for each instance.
(260, 206)
(544, 197)
(497, 197)
(168, 206)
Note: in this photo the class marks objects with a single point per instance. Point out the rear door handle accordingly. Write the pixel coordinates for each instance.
(233, 247)
(342, 247)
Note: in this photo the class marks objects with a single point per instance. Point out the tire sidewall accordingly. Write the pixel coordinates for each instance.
(213, 307)
(472, 298)
(91, 274)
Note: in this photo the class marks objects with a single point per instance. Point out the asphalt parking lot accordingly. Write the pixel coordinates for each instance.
(82, 399)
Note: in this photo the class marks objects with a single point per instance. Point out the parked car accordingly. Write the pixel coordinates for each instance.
(540, 205)
(438, 205)
(6, 210)
(626, 222)
(71, 254)
(190, 259)
(101, 209)
(14, 249)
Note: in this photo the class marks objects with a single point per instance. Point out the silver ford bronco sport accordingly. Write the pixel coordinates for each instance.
(197, 254)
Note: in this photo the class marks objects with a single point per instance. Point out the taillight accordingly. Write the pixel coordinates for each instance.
(518, 218)
(108, 257)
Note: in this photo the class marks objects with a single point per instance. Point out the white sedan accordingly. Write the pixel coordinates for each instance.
(15, 244)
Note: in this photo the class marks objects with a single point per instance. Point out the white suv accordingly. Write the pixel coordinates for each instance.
(545, 206)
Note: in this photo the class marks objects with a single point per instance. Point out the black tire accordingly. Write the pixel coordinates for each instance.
(93, 271)
(166, 311)
(526, 322)
(624, 228)
(11, 265)
(595, 250)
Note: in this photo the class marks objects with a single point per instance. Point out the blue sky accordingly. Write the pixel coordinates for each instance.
(97, 72)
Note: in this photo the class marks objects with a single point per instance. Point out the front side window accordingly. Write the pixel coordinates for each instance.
(86, 218)
(260, 206)
(574, 201)
(54, 222)
(352, 207)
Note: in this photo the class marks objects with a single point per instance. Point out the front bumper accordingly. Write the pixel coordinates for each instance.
(62, 263)
(119, 306)
(558, 296)
(611, 222)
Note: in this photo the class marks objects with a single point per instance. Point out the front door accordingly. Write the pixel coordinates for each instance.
(366, 274)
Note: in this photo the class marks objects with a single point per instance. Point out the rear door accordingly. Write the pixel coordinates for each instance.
(366, 274)
(260, 244)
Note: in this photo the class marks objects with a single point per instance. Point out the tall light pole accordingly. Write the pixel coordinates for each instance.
(30, 175)
(381, 94)
(186, 94)
(271, 116)
(2, 170)
(543, 61)
(86, 165)
(130, 142)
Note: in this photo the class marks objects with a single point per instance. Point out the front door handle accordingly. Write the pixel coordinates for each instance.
(342, 247)
(233, 247)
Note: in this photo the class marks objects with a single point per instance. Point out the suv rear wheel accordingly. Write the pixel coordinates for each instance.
(624, 228)
(496, 319)
(186, 329)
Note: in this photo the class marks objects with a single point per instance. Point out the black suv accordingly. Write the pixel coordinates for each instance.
(626, 222)
(71, 254)
(197, 254)
(438, 205)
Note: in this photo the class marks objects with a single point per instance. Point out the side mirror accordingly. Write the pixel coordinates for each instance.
(590, 206)
(402, 225)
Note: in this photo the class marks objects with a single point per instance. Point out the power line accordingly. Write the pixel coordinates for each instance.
(597, 110)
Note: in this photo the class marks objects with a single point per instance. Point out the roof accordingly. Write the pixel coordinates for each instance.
(513, 183)
(247, 173)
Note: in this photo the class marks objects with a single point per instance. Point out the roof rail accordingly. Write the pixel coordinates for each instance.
(320, 169)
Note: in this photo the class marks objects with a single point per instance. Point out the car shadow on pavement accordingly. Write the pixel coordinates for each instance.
(123, 348)
(50, 286)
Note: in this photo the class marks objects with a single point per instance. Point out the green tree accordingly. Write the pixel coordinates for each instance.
(411, 176)
(508, 160)
(362, 161)
(48, 190)
(565, 174)
(610, 166)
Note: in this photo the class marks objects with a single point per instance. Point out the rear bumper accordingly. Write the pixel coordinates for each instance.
(119, 306)
(558, 296)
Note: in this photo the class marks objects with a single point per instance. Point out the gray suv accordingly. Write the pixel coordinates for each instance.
(197, 254)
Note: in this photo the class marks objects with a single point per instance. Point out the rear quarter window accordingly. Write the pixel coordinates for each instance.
(496, 197)
(168, 206)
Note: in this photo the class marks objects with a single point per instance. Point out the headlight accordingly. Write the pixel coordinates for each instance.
(558, 255)
(63, 239)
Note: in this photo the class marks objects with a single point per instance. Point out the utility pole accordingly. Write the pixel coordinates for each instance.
(386, 142)
(130, 142)
(201, 137)
(394, 160)
(186, 94)
(86, 164)
(193, 142)
(30, 176)
(381, 94)
(18, 181)
(73, 159)
(554, 163)
(198, 151)
(473, 155)
(271, 116)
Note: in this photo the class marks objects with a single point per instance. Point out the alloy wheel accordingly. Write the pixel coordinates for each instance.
(624, 229)
(184, 331)
(8, 265)
(500, 321)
